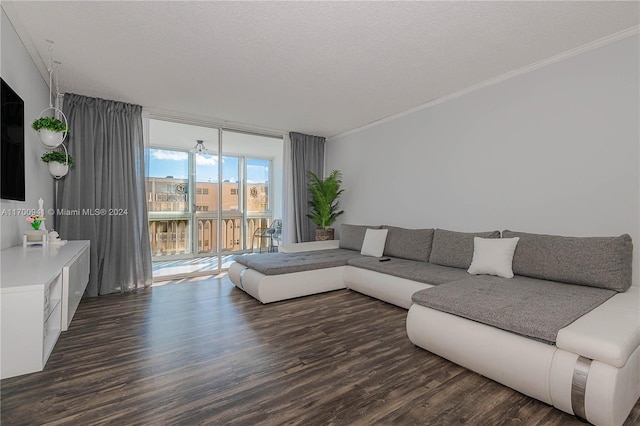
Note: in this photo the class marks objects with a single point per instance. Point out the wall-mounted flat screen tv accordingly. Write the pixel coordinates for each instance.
(12, 173)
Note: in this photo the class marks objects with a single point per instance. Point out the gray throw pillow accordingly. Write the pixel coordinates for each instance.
(603, 262)
(352, 236)
(412, 244)
(451, 248)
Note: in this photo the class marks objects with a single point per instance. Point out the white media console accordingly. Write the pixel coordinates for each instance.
(40, 289)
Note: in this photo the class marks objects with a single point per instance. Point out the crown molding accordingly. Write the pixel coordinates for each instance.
(495, 80)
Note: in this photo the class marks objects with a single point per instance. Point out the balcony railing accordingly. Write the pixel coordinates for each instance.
(170, 237)
(173, 236)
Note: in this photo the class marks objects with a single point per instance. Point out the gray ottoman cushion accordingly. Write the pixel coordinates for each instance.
(288, 263)
(603, 262)
(352, 236)
(451, 248)
(412, 244)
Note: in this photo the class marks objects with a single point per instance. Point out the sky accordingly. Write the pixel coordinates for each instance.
(163, 163)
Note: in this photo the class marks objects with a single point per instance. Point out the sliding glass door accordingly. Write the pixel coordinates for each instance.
(168, 202)
(258, 201)
(206, 185)
(210, 194)
(205, 206)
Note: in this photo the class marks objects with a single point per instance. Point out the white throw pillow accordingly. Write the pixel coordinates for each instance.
(373, 244)
(493, 256)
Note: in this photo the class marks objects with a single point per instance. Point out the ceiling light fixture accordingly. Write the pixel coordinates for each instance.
(200, 148)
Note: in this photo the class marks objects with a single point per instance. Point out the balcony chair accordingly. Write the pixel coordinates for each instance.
(273, 234)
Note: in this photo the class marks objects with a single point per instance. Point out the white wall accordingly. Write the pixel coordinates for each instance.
(552, 151)
(20, 73)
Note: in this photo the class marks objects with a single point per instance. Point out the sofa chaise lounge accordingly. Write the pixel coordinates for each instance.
(565, 329)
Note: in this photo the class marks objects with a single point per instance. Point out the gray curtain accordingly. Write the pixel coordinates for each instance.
(307, 153)
(107, 187)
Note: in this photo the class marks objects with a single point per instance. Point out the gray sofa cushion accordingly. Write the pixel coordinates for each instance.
(603, 262)
(287, 263)
(411, 269)
(534, 308)
(413, 244)
(352, 236)
(451, 248)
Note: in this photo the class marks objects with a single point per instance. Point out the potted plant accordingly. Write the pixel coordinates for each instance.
(324, 205)
(58, 161)
(51, 131)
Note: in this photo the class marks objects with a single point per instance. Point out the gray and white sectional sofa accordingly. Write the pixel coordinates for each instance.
(565, 329)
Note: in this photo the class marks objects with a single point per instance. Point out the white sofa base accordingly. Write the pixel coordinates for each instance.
(272, 288)
(518, 362)
(384, 287)
(533, 368)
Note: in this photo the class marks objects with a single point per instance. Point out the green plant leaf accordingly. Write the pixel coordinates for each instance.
(58, 156)
(324, 207)
(49, 123)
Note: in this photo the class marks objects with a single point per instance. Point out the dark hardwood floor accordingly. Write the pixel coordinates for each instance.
(202, 352)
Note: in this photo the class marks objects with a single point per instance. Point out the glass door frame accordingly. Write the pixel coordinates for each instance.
(193, 214)
(218, 212)
(186, 215)
(247, 215)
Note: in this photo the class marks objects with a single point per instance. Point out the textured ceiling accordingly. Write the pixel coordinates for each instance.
(321, 68)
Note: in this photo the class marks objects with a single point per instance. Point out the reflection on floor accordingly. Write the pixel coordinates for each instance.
(188, 280)
(198, 266)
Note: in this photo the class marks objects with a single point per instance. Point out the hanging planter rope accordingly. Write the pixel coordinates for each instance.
(50, 129)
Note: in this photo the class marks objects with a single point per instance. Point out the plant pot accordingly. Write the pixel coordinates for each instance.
(34, 234)
(34, 237)
(324, 234)
(49, 138)
(58, 169)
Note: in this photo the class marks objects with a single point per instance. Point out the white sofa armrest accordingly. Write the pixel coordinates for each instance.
(610, 333)
(309, 246)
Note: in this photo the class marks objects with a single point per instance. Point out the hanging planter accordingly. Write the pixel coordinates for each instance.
(51, 131)
(50, 139)
(58, 170)
(59, 163)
